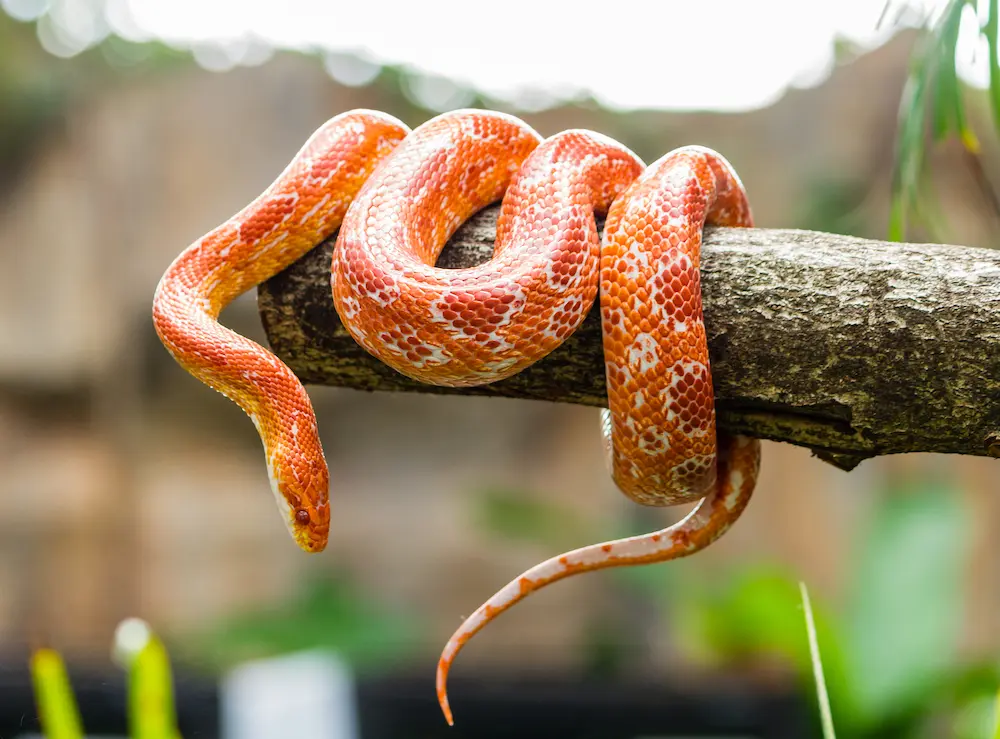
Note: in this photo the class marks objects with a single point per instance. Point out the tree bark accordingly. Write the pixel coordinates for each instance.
(850, 347)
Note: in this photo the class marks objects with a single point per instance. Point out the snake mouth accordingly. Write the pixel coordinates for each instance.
(312, 539)
(313, 546)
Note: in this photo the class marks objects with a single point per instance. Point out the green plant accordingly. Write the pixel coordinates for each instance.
(891, 653)
(57, 709)
(151, 713)
(965, 729)
(892, 664)
(933, 101)
(822, 696)
(327, 613)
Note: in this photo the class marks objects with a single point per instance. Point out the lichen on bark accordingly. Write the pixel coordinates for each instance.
(851, 347)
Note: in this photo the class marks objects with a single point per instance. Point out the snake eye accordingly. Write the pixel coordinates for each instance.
(302, 516)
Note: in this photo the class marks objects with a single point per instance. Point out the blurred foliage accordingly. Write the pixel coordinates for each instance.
(37, 88)
(834, 206)
(933, 108)
(519, 516)
(327, 614)
(972, 722)
(31, 98)
(57, 709)
(151, 712)
(904, 618)
(890, 656)
(527, 518)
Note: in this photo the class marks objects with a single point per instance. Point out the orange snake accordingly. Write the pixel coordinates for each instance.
(397, 196)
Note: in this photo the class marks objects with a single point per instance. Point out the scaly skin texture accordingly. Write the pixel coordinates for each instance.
(302, 207)
(661, 409)
(482, 324)
(479, 325)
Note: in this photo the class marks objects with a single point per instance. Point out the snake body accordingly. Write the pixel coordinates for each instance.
(306, 203)
(397, 196)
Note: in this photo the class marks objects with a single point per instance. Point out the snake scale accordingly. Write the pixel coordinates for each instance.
(396, 197)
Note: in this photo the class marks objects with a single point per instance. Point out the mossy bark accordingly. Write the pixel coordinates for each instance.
(850, 347)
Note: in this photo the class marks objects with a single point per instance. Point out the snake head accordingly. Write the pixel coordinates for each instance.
(310, 526)
(302, 494)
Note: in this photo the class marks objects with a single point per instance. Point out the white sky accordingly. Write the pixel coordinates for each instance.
(668, 54)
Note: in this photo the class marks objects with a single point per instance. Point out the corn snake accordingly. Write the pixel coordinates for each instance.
(396, 197)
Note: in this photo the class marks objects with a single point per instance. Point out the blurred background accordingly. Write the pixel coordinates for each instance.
(128, 128)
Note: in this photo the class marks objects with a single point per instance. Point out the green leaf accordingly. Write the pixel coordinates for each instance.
(992, 33)
(519, 516)
(909, 149)
(757, 611)
(949, 108)
(975, 717)
(905, 613)
(328, 614)
(933, 82)
(151, 694)
(57, 709)
(996, 717)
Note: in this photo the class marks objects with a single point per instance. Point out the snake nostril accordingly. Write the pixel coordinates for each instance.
(302, 516)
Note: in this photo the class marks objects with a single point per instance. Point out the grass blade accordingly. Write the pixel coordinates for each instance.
(821, 693)
(57, 710)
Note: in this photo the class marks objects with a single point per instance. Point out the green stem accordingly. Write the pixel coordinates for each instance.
(821, 692)
(57, 710)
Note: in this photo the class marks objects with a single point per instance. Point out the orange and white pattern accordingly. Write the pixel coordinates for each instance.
(301, 208)
(397, 197)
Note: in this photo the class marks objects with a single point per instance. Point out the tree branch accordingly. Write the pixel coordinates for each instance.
(850, 347)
